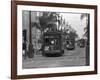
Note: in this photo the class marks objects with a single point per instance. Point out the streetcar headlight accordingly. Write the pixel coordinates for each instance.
(46, 48)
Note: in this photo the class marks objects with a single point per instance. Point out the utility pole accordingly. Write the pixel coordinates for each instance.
(30, 48)
(88, 44)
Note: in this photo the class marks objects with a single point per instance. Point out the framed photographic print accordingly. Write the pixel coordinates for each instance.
(53, 39)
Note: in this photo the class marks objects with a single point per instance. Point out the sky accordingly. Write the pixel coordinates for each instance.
(75, 21)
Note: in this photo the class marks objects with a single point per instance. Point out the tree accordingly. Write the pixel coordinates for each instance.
(87, 23)
(46, 18)
(73, 34)
(87, 35)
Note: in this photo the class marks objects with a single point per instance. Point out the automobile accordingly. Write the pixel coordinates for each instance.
(70, 44)
(81, 43)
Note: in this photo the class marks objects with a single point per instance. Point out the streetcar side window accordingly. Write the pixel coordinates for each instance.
(47, 41)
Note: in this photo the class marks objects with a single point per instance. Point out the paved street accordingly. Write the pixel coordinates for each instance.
(70, 58)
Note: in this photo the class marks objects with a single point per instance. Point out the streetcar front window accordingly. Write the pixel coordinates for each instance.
(51, 44)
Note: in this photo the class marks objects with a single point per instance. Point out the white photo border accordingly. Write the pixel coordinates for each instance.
(21, 71)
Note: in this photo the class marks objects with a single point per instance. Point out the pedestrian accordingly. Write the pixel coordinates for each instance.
(24, 52)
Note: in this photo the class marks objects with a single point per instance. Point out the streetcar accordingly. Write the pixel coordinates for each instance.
(81, 43)
(52, 44)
